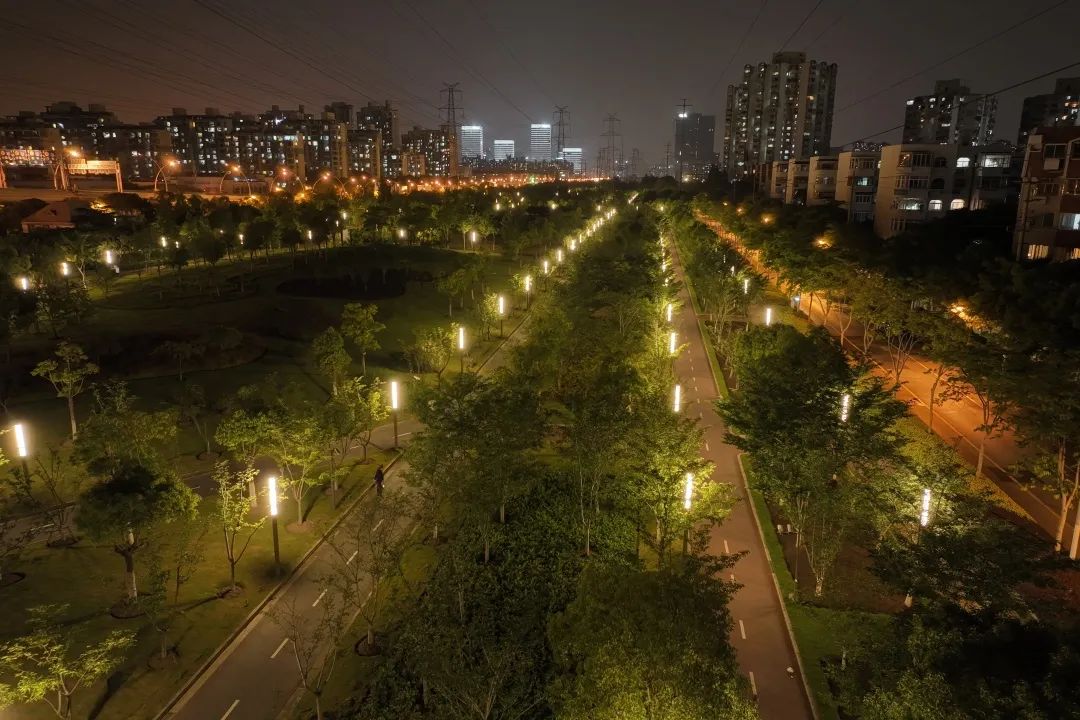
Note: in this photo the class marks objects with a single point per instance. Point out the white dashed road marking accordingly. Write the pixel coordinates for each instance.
(231, 708)
(279, 647)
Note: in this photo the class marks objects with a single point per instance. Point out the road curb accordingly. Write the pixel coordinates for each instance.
(779, 595)
(222, 651)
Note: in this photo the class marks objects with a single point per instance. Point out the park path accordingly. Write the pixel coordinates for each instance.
(955, 420)
(255, 677)
(760, 634)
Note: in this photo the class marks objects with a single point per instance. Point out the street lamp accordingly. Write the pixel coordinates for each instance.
(501, 303)
(164, 241)
(461, 346)
(924, 513)
(395, 403)
(672, 340)
(229, 170)
(845, 407)
(170, 163)
(23, 282)
(473, 237)
(746, 286)
(22, 448)
(559, 255)
(669, 312)
(108, 257)
(528, 291)
(65, 268)
(768, 316)
(676, 405)
(272, 498)
(402, 233)
(547, 267)
(688, 491)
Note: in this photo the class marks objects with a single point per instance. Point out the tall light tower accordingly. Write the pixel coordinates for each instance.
(612, 145)
(560, 121)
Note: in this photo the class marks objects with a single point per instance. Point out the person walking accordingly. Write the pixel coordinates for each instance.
(379, 477)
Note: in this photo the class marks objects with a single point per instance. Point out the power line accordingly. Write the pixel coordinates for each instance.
(742, 41)
(800, 26)
(468, 68)
(830, 26)
(506, 49)
(952, 57)
(973, 98)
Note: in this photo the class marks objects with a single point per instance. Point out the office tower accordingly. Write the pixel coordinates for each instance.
(952, 115)
(694, 134)
(472, 141)
(540, 141)
(576, 158)
(502, 150)
(781, 110)
(1056, 109)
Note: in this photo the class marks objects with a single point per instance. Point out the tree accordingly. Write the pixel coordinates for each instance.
(328, 349)
(192, 408)
(52, 489)
(185, 552)
(455, 284)
(125, 507)
(245, 434)
(295, 444)
(641, 644)
(67, 373)
(432, 349)
(368, 408)
(370, 558)
(358, 324)
(234, 513)
(314, 644)
(116, 432)
(49, 666)
(180, 351)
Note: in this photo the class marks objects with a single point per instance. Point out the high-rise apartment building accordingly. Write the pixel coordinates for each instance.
(384, 119)
(694, 137)
(472, 141)
(575, 156)
(952, 115)
(781, 110)
(1048, 215)
(433, 145)
(1060, 108)
(502, 150)
(540, 141)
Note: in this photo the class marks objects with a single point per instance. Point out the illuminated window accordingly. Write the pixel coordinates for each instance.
(936, 205)
(956, 204)
(963, 162)
(1069, 221)
(995, 161)
(1037, 252)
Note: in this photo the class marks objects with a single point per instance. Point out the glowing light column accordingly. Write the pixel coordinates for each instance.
(272, 500)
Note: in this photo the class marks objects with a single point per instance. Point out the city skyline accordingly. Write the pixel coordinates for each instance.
(507, 84)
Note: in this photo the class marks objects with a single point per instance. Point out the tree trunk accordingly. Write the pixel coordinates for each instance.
(363, 363)
(71, 416)
(318, 707)
(129, 569)
(299, 510)
(982, 456)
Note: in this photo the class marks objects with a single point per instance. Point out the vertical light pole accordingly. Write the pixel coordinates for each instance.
(768, 316)
(395, 403)
(473, 237)
(24, 283)
(402, 233)
(673, 340)
(669, 312)
(676, 404)
(272, 498)
(547, 267)
(22, 448)
(924, 520)
(687, 501)
(528, 291)
(501, 302)
(461, 346)
(559, 256)
(746, 286)
(845, 407)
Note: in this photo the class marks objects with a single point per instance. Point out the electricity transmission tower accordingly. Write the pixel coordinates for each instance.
(560, 120)
(611, 151)
(451, 125)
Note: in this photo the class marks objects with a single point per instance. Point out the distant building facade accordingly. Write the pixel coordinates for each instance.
(540, 142)
(952, 115)
(472, 141)
(694, 153)
(1048, 214)
(433, 145)
(1060, 108)
(502, 150)
(781, 110)
(575, 156)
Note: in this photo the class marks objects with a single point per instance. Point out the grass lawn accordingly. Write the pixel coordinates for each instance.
(89, 578)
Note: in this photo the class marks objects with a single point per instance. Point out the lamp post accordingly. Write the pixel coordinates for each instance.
(687, 501)
(402, 233)
(229, 170)
(676, 404)
(528, 291)
(768, 316)
(272, 498)
(673, 339)
(924, 520)
(395, 403)
(22, 448)
(845, 407)
(65, 268)
(746, 286)
(170, 163)
(559, 256)
(668, 313)
(500, 302)
(24, 283)
(461, 346)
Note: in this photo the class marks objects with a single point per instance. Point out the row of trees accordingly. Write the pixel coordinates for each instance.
(977, 316)
(555, 491)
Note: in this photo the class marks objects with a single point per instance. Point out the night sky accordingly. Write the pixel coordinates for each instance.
(515, 60)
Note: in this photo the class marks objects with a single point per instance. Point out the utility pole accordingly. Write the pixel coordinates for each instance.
(612, 148)
(560, 119)
(451, 125)
(635, 163)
